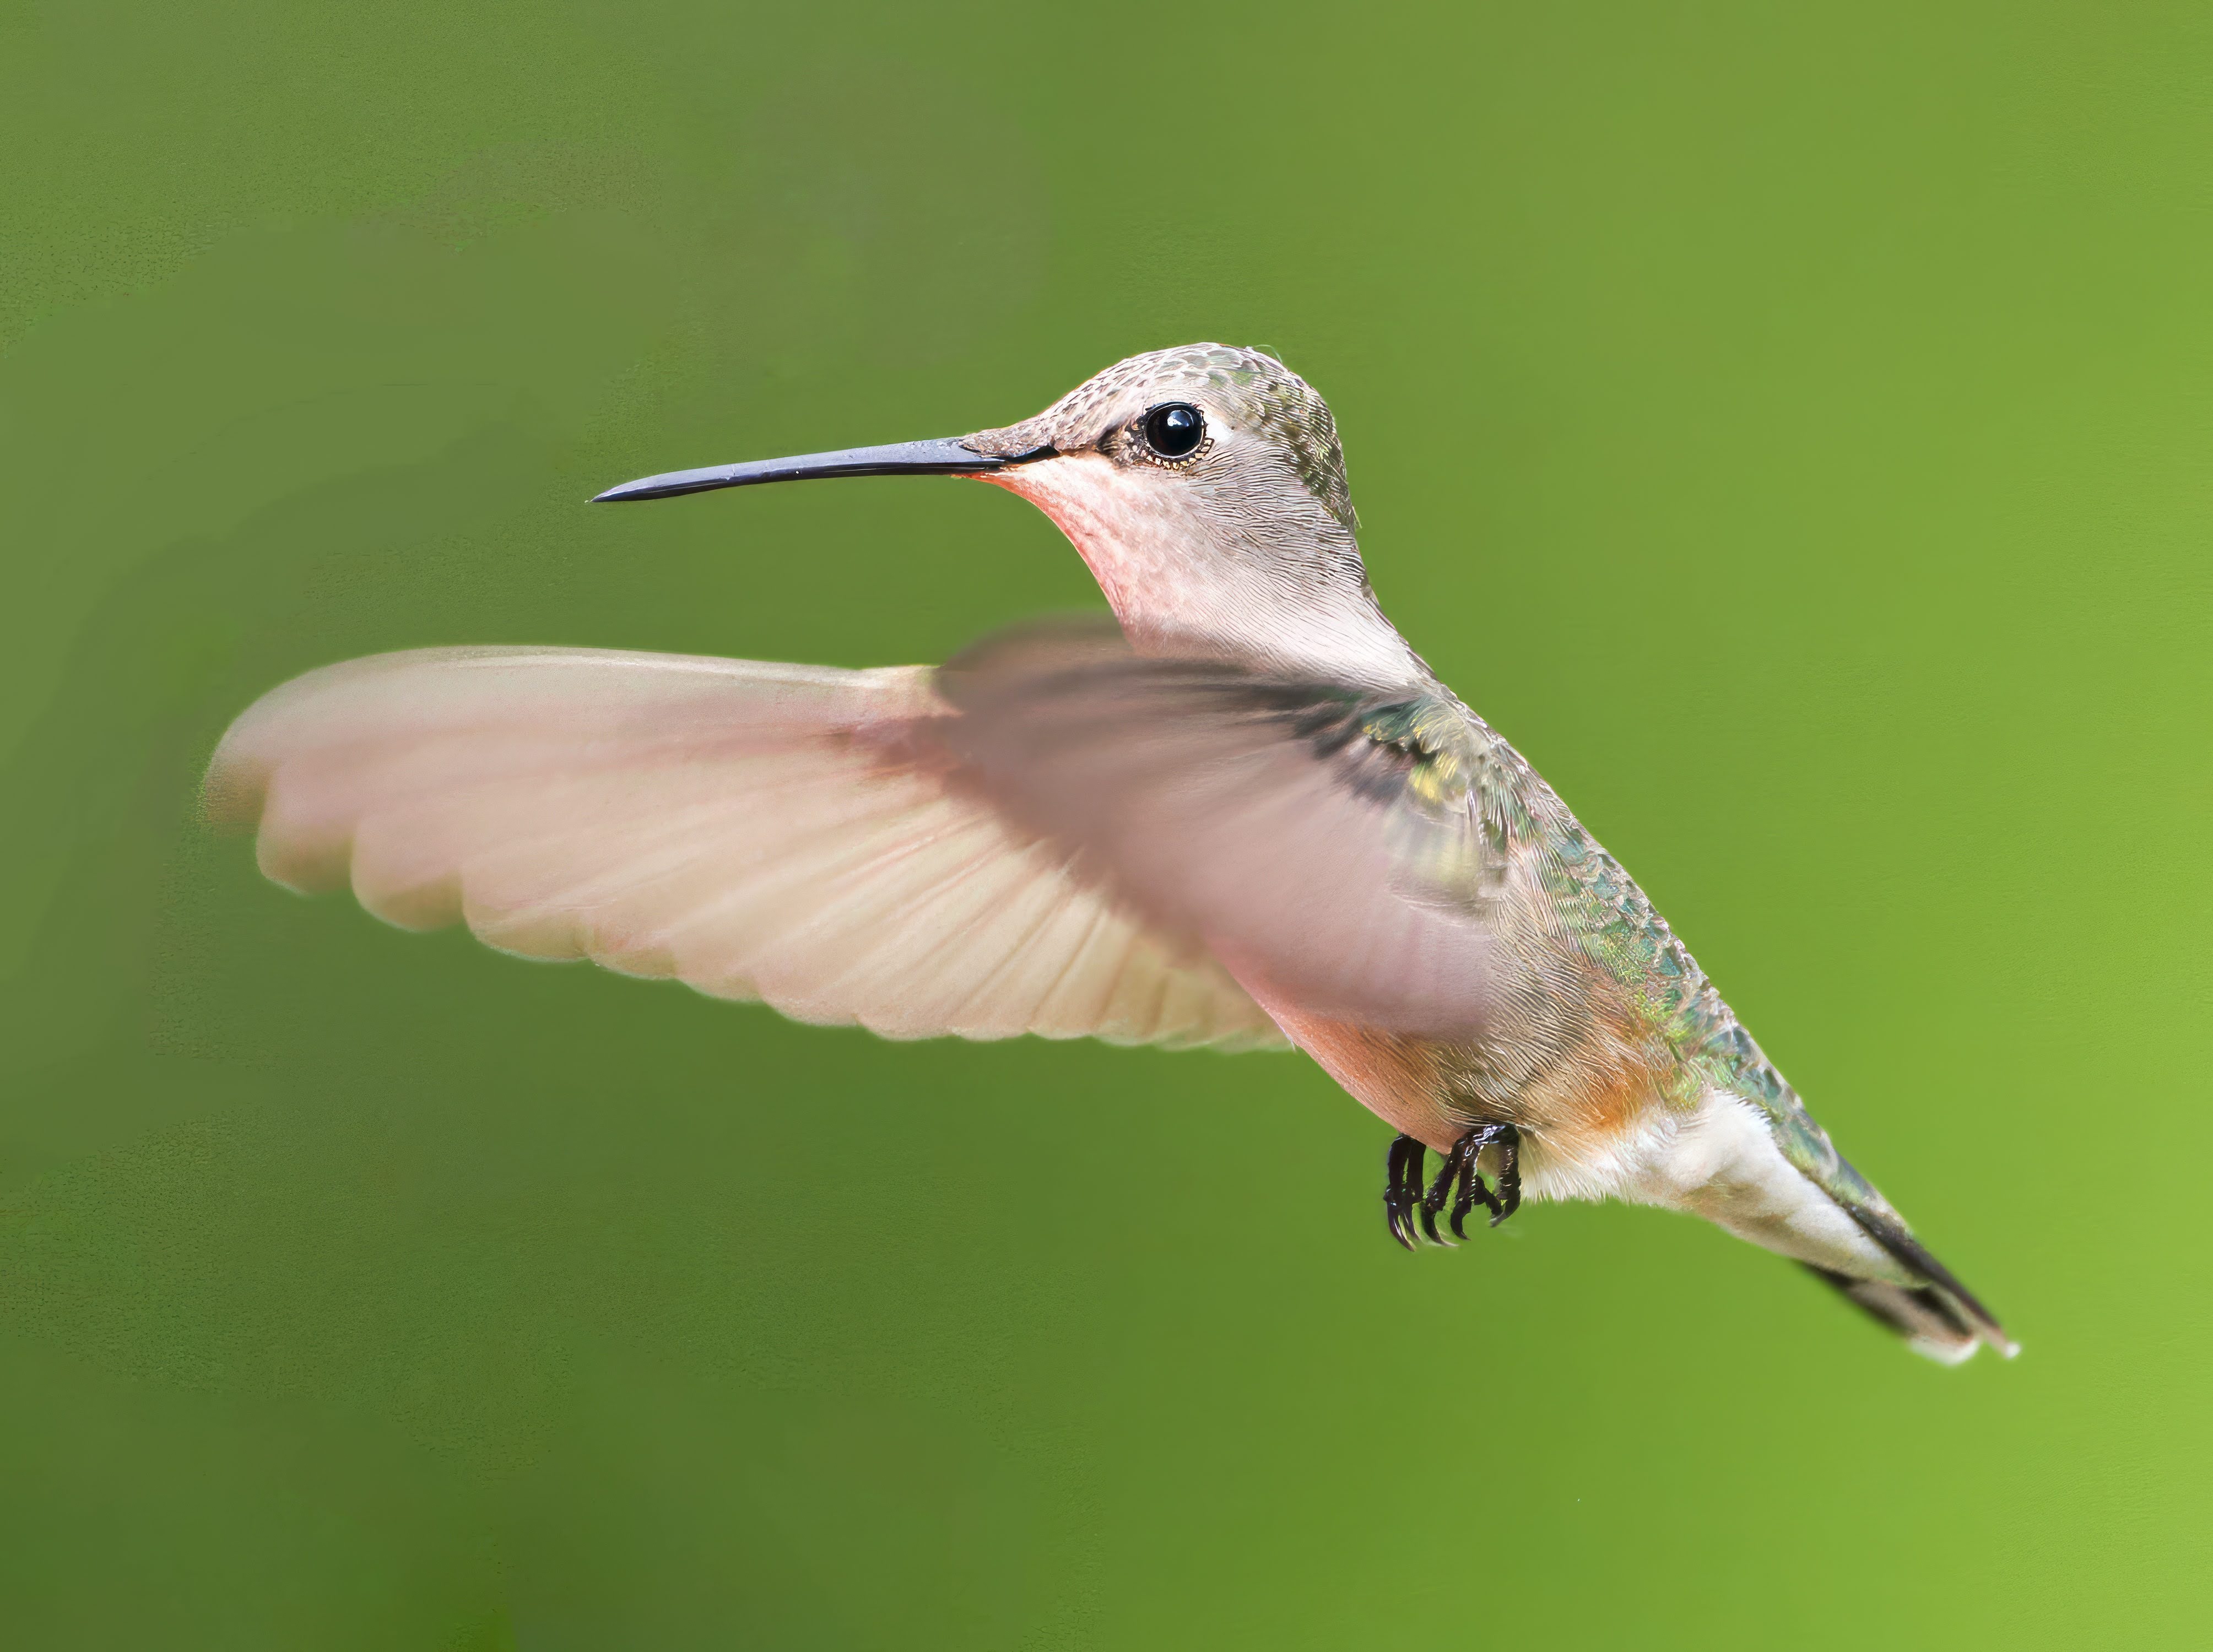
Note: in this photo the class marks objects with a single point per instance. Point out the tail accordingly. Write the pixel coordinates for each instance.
(1938, 1317)
(1795, 1211)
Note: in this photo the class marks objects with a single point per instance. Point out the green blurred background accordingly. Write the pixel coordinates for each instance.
(1789, 425)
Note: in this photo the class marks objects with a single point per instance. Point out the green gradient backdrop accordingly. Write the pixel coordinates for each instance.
(1793, 431)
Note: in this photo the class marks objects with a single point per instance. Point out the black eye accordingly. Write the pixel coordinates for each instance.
(1174, 429)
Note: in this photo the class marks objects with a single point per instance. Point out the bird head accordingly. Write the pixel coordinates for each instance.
(1204, 488)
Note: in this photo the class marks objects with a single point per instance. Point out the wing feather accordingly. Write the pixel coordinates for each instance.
(1321, 840)
(735, 824)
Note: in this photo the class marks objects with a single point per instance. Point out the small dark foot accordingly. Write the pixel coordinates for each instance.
(1407, 1203)
(1402, 1188)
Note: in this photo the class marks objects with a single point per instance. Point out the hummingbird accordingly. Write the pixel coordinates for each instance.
(1242, 815)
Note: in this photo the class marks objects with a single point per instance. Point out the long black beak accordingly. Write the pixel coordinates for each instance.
(946, 458)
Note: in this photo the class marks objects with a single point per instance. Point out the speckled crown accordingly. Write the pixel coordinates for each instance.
(1259, 392)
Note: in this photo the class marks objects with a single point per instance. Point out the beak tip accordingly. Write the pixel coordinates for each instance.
(632, 493)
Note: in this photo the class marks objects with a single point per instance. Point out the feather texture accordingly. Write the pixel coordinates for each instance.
(752, 830)
(1319, 838)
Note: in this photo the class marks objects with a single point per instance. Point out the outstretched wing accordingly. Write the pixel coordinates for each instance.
(768, 831)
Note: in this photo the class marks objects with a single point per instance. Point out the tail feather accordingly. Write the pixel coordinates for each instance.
(1920, 1313)
(1938, 1317)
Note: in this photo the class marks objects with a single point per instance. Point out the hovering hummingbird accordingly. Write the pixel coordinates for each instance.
(1244, 815)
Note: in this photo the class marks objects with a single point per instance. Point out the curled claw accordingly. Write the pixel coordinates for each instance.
(1433, 1200)
(1471, 1189)
(1402, 1188)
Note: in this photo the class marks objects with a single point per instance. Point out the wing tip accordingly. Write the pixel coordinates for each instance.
(235, 788)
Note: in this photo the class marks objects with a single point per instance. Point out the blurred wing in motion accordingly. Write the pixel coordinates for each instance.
(779, 832)
(1323, 842)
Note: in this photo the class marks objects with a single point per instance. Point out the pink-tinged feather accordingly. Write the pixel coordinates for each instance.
(1196, 789)
(738, 827)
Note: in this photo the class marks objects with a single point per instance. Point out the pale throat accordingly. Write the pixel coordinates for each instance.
(1171, 586)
